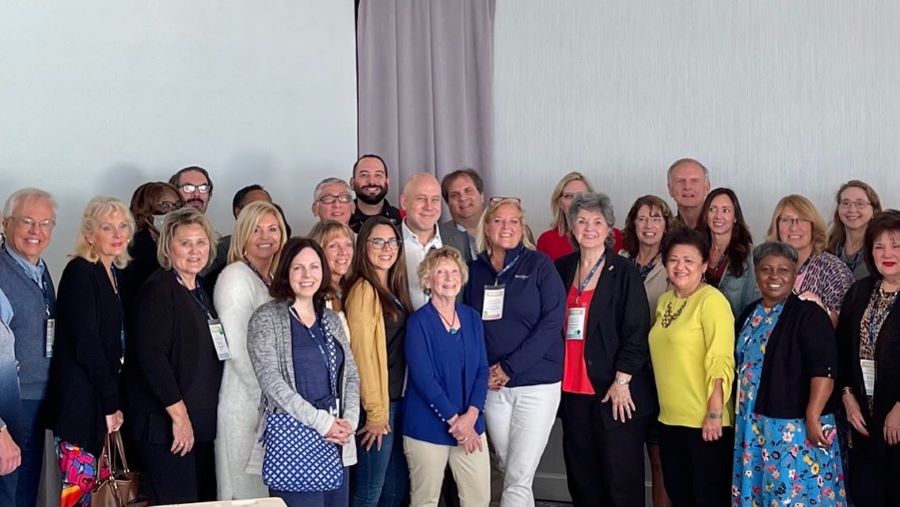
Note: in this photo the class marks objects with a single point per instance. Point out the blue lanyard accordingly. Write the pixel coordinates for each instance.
(505, 269)
(589, 276)
(196, 294)
(42, 285)
(257, 273)
(330, 357)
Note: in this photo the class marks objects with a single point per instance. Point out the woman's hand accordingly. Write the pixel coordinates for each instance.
(183, 432)
(892, 426)
(372, 434)
(340, 432)
(854, 414)
(10, 454)
(622, 404)
(114, 421)
(811, 296)
(712, 428)
(471, 442)
(498, 378)
(815, 434)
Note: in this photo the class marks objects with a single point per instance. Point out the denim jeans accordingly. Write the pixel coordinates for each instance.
(336, 498)
(380, 477)
(32, 446)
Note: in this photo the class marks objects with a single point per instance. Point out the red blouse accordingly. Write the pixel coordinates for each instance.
(575, 378)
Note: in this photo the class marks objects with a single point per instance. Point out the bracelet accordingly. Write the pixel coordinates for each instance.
(713, 415)
(846, 390)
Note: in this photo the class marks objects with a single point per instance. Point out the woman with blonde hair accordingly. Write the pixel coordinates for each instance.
(556, 242)
(856, 204)
(242, 287)
(822, 277)
(83, 398)
(521, 299)
(337, 240)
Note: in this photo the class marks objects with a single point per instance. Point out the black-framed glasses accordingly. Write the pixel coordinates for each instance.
(380, 243)
(190, 188)
(331, 198)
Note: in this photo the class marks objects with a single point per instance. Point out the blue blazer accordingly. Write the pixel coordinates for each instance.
(448, 373)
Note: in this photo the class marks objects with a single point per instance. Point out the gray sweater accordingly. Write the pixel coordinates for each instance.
(269, 345)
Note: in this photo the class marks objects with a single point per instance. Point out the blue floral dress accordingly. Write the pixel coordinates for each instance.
(774, 464)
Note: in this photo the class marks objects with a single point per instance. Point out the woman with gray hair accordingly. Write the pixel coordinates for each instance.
(608, 398)
(785, 448)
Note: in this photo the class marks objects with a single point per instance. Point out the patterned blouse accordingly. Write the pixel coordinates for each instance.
(827, 277)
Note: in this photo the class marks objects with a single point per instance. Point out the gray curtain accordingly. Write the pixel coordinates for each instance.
(425, 85)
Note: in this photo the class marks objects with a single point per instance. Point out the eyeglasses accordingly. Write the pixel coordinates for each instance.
(500, 198)
(380, 243)
(189, 188)
(793, 221)
(29, 223)
(652, 220)
(845, 205)
(331, 198)
(167, 206)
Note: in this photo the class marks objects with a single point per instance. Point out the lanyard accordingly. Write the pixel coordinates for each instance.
(877, 318)
(257, 273)
(330, 357)
(505, 269)
(42, 285)
(196, 294)
(584, 283)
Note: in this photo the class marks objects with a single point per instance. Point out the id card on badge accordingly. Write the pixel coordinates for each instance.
(49, 337)
(218, 337)
(868, 373)
(493, 302)
(575, 324)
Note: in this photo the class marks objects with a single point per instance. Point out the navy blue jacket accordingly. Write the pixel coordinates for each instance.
(527, 341)
(447, 373)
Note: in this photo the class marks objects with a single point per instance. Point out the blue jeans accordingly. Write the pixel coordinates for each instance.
(29, 474)
(381, 478)
(337, 498)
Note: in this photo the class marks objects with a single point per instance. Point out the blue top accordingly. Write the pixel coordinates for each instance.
(6, 310)
(448, 373)
(312, 378)
(527, 341)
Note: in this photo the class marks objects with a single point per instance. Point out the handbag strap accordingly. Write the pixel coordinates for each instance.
(112, 448)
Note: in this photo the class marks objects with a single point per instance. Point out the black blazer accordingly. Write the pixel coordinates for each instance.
(802, 345)
(84, 374)
(887, 353)
(616, 332)
(170, 357)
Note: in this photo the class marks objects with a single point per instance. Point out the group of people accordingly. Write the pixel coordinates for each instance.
(386, 358)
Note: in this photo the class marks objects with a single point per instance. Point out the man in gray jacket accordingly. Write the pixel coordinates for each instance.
(463, 191)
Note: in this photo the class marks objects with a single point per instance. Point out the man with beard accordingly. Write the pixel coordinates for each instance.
(370, 182)
(463, 191)
(688, 185)
(194, 187)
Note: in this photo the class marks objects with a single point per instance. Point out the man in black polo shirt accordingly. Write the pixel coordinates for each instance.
(370, 182)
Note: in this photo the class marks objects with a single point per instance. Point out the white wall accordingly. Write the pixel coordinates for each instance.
(100, 96)
(774, 97)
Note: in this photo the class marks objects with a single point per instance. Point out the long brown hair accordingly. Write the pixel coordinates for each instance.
(837, 235)
(630, 241)
(741, 242)
(398, 283)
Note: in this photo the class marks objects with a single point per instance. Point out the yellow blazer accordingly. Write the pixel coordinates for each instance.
(369, 346)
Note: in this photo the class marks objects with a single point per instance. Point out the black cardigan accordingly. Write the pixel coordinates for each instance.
(887, 353)
(616, 333)
(84, 374)
(170, 357)
(801, 346)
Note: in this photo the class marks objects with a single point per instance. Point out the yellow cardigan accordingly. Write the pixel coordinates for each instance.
(369, 346)
(689, 355)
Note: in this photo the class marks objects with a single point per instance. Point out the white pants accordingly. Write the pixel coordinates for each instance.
(427, 462)
(519, 420)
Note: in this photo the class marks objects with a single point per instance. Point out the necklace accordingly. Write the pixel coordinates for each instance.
(451, 328)
(669, 317)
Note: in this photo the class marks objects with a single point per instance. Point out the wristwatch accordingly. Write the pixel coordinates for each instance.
(621, 381)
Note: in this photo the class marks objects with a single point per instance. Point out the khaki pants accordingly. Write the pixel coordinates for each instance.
(427, 463)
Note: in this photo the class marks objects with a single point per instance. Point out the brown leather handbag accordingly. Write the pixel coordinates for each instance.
(120, 489)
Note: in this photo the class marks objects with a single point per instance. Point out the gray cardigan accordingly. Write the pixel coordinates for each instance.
(269, 345)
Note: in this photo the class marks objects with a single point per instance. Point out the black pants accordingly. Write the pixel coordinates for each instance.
(604, 466)
(697, 473)
(167, 478)
(874, 470)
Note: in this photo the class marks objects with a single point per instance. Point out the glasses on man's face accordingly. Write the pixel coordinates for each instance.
(332, 198)
(190, 188)
(380, 243)
(860, 205)
(28, 223)
(500, 198)
(167, 206)
(788, 221)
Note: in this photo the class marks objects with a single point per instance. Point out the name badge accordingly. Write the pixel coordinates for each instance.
(575, 324)
(218, 336)
(493, 302)
(50, 336)
(868, 372)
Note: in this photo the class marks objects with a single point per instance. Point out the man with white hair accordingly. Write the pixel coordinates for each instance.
(333, 200)
(29, 217)
(688, 182)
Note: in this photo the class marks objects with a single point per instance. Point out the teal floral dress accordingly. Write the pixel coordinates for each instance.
(774, 464)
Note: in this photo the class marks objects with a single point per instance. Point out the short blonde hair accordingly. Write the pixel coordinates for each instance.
(246, 223)
(326, 230)
(482, 243)
(97, 208)
(807, 211)
(434, 257)
(175, 219)
(560, 222)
